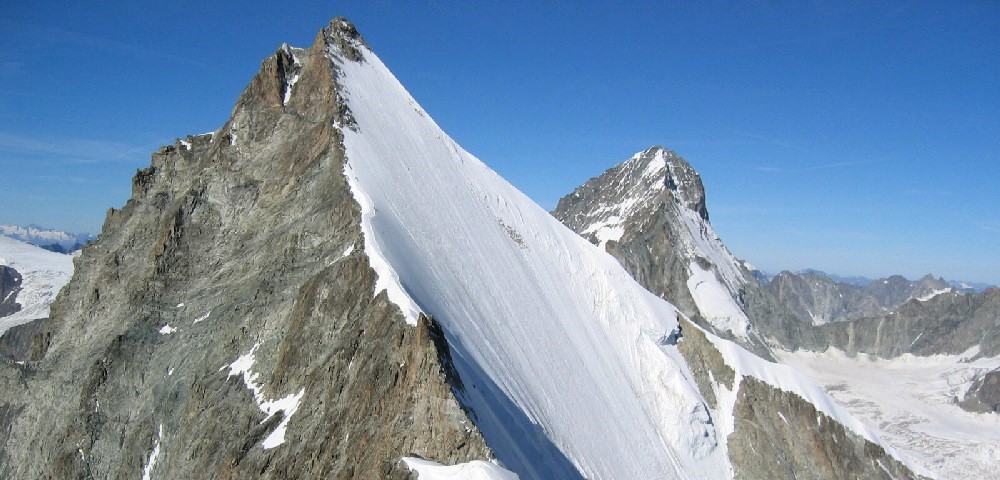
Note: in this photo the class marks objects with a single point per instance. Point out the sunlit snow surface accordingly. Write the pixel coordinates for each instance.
(566, 361)
(476, 470)
(910, 400)
(43, 274)
(550, 323)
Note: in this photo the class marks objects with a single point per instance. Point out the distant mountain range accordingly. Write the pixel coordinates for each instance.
(861, 281)
(50, 239)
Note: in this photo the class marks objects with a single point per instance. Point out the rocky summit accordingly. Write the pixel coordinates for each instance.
(329, 286)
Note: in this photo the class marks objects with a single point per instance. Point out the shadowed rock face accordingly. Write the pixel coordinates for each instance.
(10, 284)
(242, 244)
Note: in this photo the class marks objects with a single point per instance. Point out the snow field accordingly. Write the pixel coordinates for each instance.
(43, 274)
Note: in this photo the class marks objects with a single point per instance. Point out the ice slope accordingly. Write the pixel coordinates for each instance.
(568, 366)
(921, 418)
(43, 274)
(545, 327)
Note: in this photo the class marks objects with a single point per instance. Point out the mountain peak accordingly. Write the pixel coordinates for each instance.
(343, 39)
(679, 177)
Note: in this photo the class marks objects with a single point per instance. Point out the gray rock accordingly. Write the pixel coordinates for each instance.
(10, 284)
(780, 435)
(17, 343)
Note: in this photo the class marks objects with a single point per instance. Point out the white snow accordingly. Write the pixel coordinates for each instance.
(151, 462)
(715, 302)
(348, 251)
(43, 274)
(475, 470)
(202, 318)
(167, 330)
(910, 401)
(295, 76)
(185, 144)
(287, 404)
(932, 294)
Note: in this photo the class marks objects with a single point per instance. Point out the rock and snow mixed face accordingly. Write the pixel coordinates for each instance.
(43, 274)
(650, 213)
(569, 367)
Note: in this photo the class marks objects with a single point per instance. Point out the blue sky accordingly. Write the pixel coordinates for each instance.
(854, 137)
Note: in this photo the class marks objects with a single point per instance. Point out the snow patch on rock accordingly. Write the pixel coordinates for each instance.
(287, 404)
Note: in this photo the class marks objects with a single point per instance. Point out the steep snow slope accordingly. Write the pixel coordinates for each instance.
(43, 272)
(921, 417)
(555, 324)
(569, 366)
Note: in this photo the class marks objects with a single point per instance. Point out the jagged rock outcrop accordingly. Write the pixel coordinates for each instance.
(10, 284)
(229, 306)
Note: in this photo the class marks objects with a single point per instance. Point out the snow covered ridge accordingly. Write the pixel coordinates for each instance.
(43, 274)
(566, 361)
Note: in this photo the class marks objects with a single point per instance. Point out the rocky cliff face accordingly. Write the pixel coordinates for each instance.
(224, 324)
(10, 284)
